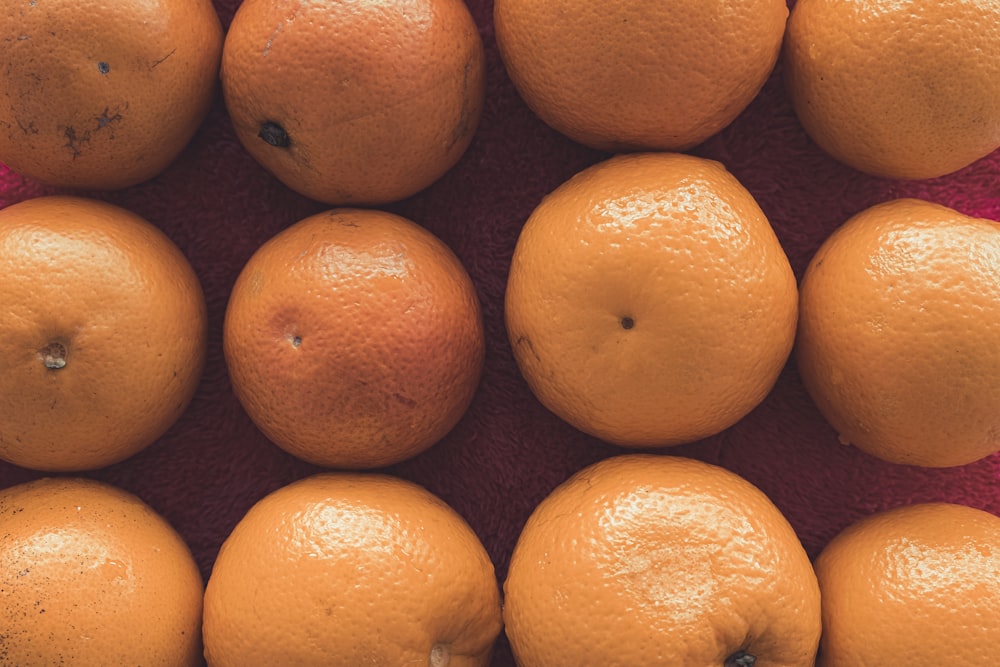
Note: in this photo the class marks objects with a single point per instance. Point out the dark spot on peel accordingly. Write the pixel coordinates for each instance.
(73, 141)
(109, 117)
(408, 402)
(464, 125)
(274, 135)
(103, 67)
(526, 342)
(161, 60)
(627, 322)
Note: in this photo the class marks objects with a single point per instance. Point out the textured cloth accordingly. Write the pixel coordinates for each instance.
(508, 451)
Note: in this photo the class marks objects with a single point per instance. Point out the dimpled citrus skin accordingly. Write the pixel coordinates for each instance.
(916, 585)
(354, 338)
(374, 100)
(103, 95)
(348, 569)
(659, 560)
(91, 575)
(639, 75)
(899, 333)
(897, 88)
(649, 302)
(103, 333)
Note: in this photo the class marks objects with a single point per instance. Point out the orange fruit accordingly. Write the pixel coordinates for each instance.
(897, 89)
(649, 301)
(103, 95)
(899, 333)
(354, 102)
(347, 569)
(103, 337)
(639, 75)
(354, 339)
(916, 585)
(660, 560)
(91, 575)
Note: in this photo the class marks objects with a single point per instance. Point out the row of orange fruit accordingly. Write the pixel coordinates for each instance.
(580, 312)
(638, 559)
(649, 303)
(358, 103)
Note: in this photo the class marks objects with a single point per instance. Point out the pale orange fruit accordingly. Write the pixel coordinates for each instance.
(660, 560)
(91, 575)
(899, 333)
(649, 301)
(348, 569)
(103, 335)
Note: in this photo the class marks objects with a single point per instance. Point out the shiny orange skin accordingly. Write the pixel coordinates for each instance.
(103, 95)
(638, 75)
(347, 569)
(899, 333)
(660, 560)
(649, 301)
(91, 575)
(897, 89)
(354, 339)
(354, 102)
(915, 585)
(103, 335)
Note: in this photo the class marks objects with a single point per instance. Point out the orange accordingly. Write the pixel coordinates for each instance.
(899, 333)
(660, 560)
(635, 74)
(916, 585)
(349, 569)
(91, 575)
(103, 95)
(354, 339)
(103, 334)
(901, 89)
(649, 301)
(354, 102)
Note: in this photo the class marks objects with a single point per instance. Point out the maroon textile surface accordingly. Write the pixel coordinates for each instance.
(508, 451)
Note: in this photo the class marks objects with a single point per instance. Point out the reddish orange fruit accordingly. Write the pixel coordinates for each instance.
(354, 339)
(899, 333)
(103, 334)
(649, 301)
(354, 102)
(660, 560)
(91, 575)
(103, 95)
(348, 569)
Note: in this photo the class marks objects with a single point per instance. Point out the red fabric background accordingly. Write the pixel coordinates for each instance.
(508, 452)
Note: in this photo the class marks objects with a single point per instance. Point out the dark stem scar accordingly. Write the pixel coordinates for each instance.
(53, 355)
(740, 659)
(274, 135)
(627, 322)
(103, 67)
